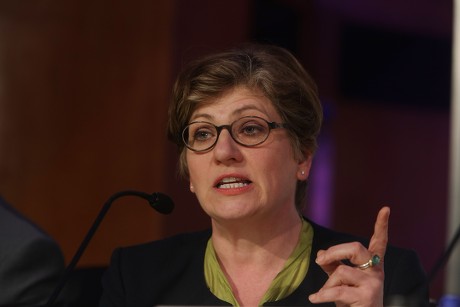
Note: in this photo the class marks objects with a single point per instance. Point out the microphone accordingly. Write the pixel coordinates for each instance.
(158, 201)
(444, 256)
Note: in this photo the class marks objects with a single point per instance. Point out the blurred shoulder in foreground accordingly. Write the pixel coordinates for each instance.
(31, 262)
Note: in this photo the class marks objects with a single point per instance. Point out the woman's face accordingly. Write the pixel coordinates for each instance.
(236, 182)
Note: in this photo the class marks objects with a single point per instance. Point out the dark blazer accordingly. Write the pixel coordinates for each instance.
(30, 261)
(170, 272)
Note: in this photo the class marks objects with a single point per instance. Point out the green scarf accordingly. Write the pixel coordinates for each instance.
(290, 277)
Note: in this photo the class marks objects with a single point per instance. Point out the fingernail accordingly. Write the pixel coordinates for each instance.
(312, 297)
(320, 257)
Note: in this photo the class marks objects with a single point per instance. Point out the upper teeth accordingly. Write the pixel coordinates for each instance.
(230, 179)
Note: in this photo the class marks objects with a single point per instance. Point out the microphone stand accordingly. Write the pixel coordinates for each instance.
(154, 200)
(445, 256)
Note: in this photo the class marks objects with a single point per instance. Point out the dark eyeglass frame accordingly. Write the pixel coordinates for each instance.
(271, 126)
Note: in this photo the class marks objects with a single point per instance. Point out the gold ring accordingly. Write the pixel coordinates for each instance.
(375, 260)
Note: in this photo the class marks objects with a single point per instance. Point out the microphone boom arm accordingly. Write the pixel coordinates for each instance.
(155, 201)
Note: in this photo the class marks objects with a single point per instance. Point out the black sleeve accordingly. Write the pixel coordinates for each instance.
(405, 279)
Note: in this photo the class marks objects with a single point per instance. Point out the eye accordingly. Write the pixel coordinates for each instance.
(252, 128)
(201, 132)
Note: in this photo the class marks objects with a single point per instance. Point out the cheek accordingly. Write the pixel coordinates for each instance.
(278, 166)
(196, 170)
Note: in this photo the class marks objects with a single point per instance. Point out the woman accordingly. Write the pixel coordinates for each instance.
(245, 122)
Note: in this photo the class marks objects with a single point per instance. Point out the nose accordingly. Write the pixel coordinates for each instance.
(226, 149)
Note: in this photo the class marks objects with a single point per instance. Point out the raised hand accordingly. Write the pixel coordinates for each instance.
(361, 284)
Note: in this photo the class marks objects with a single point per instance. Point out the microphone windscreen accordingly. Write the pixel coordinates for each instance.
(162, 203)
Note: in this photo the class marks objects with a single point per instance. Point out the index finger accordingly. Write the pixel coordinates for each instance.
(379, 240)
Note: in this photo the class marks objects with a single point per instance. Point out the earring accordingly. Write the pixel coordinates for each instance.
(192, 188)
(302, 172)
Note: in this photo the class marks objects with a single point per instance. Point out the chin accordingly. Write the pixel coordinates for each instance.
(231, 216)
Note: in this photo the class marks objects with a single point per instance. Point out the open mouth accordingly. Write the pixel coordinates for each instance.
(232, 183)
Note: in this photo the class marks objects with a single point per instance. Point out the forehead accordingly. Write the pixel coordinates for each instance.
(234, 103)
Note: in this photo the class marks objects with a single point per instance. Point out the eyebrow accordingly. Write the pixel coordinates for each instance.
(235, 112)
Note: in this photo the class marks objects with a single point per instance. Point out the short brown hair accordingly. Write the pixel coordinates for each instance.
(272, 70)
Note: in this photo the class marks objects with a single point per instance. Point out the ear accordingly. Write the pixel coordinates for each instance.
(192, 188)
(304, 166)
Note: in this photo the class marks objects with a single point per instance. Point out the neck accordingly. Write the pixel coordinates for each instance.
(257, 238)
(252, 252)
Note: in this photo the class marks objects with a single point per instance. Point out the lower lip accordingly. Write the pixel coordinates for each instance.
(234, 191)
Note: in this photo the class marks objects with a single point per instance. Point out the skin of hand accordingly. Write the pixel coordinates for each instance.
(348, 285)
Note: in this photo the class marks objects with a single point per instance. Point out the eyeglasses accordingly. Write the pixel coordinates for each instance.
(248, 131)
